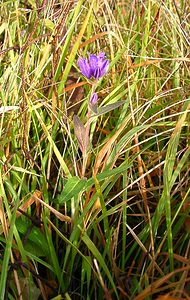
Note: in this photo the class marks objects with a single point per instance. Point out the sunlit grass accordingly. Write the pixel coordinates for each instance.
(116, 227)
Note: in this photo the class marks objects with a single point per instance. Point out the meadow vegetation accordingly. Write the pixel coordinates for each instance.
(112, 221)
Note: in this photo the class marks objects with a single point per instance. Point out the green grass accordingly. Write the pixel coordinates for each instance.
(113, 222)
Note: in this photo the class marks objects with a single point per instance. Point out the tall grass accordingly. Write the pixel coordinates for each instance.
(121, 231)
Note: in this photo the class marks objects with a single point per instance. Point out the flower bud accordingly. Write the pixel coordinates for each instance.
(93, 99)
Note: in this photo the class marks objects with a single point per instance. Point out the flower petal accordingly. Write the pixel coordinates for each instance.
(97, 73)
(104, 68)
(101, 55)
(84, 67)
(93, 62)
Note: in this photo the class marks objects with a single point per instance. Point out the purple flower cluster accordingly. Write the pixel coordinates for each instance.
(95, 66)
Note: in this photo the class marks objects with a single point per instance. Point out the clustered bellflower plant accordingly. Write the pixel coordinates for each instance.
(93, 68)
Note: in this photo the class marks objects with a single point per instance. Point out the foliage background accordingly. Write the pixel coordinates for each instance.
(122, 232)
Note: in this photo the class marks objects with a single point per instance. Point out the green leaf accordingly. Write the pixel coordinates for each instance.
(35, 238)
(34, 249)
(92, 248)
(73, 186)
(105, 109)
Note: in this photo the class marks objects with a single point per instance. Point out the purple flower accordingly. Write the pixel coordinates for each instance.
(93, 99)
(95, 66)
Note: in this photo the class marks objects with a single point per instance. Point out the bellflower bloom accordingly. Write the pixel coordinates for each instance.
(96, 66)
